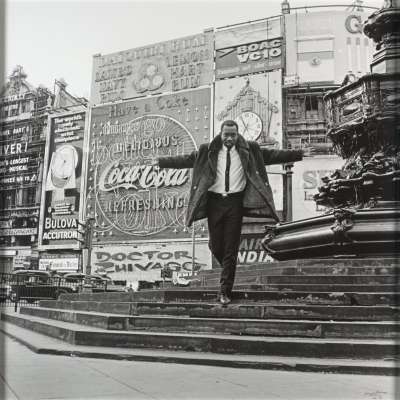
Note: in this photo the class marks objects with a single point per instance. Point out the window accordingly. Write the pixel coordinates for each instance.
(7, 199)
(311, 103)
(28, 196)
(294, 108)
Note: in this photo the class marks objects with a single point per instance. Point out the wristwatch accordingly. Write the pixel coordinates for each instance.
(63, 164)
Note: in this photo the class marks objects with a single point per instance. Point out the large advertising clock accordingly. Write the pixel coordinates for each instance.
(250, 125)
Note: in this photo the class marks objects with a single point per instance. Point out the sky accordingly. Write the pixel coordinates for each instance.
(56, 39)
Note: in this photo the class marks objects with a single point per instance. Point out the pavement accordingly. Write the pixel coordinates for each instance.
(25, 374)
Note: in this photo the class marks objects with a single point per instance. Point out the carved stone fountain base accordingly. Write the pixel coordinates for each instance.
(344, 232)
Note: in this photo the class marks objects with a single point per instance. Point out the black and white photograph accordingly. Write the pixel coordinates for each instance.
(199, 200)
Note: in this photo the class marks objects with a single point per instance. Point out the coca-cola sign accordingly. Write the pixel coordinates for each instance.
(127, 193)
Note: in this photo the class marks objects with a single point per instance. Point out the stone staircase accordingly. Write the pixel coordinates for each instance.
(338, 315)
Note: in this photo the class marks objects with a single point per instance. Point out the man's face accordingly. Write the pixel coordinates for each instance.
(229, 136)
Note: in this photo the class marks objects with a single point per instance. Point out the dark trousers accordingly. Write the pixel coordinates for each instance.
(225, 215)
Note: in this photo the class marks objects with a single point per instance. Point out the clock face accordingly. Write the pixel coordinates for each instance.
(250, 125)
(63, 165)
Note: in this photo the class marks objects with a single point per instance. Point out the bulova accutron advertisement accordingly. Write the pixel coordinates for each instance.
(62, 182)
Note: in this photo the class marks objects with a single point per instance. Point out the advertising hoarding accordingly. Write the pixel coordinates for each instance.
(19, 157)
(248, 33)
(128, 196)
(306, 179)
(244, 59)
(59, 262)
(145, 261)
(255, 103)
(62, 181)
(251, 250)
(174, 65)
(324, 46)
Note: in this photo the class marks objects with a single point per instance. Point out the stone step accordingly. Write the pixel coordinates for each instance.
(299, 287)
(249, 310)
(256, 277)
(312, 266)
(309, 270)
(331, 262)
(369, 349)
(176, 295)
(42, 344)
(255, 327)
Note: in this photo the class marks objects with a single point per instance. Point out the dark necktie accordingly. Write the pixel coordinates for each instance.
(228, 166)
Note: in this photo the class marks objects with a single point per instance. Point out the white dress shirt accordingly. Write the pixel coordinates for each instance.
(237, 178)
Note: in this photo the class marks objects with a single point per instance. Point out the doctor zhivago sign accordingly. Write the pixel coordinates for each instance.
(129, 197)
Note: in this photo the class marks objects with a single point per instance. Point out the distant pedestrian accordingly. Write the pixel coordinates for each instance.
(229, 181)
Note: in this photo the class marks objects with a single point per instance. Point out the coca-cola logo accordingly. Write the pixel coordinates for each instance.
(116, 176)
(127, 192)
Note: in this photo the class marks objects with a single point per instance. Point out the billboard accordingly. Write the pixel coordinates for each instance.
(251, 250)
(62, 181)
(306, 179)
(170, 66)
(255, 103)
(324, 46)
(19, 156)
(130, 198)
(59, 262)
(145, 261)
(248, 33)
(260, 56)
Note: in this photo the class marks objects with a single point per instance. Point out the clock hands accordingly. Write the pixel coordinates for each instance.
(245, 126)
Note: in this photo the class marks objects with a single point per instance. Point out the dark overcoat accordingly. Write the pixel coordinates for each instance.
(257, 199)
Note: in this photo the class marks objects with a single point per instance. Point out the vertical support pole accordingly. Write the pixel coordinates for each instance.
(288, 192)
(88, 244)
(193, 247)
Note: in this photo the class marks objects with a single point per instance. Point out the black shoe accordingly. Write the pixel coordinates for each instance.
(224, 299)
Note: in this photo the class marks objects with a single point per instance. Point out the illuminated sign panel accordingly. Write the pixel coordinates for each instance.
(325, 46)
(184, 63)
(248, 33)
(249, 58)
(306, 179)
(19, 157)
(129, 197)
(59, 263)
(62, 182)
(255, 103)
(256, 99)
(144, 262)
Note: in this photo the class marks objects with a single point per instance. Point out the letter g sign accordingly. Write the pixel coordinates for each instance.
(353, 23)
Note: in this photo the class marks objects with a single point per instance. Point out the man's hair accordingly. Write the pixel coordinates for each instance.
(229, 122)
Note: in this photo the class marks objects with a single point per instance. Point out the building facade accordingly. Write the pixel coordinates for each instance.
(23, 118)
(322, 48)
(24, 112)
